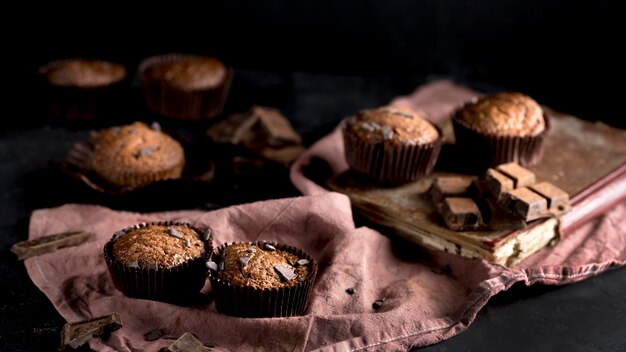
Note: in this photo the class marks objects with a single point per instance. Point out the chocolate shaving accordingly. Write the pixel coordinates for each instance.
(48, 244)
(78, 333)
(302, 262)
(152, 335)
(351, 290)
(378, 303)
(212, 265)
(269, 248)
(285, 273)
(173, 232)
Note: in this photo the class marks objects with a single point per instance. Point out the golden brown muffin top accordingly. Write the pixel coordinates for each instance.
(157, 246)
(136, 148)
(261, 267)
(505, 114)
(190, 73)
(84, 73)
(394, 124)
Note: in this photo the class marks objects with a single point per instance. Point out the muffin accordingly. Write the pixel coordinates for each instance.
(185, 86)
(261, 279)
(135, 156)
(503, 127)
(80, 89)
(160, 260)
(391, 144)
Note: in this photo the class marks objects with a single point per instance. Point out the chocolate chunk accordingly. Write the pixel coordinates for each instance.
(461, 213)
(187, 243)
(302, 262)
(117, 235)
(146, 151)
(368, 127)
(378, 303)
(222, 266)
(251, 250)
(212, 265)
(557, 198)
(186, 343)
(351, 290)
(133, 264)
(398, 112)
(207, 234)
(155, 126)
(525, 203)
(173, 232)
(48, 244)
(78, 333)
(276, 126)
(153, 266)
(497, 183)
(449, 186)
(387, 133)
(521, 176)
(152, 335)
(285, 273)
(269, 247)
(244, 260)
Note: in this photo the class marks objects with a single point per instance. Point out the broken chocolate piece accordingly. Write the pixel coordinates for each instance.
(461, 213)
(351, 290)
(497, 183)
(244, 260)
(449, 186)
(285, 273)
(251, 250)
(152, 335)
(525, 203)
(302, 262)
(558, 199)
(222, 266)
(207, 234)
(134, 264)
(269, 248)
(173, 232)
(48, 244)
(378, 303)
(212, 265)
(283, 155)
(277, 127)
(520, 175)
(78, 333)
(186, 343)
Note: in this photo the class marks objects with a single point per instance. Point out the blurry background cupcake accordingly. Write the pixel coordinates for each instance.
(81, 89)
(391, 144)
(501, 128)
(185, 86)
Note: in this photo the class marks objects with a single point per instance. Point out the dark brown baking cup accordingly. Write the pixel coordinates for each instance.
(82, 103)
(388, 163)
(246, 301)
(197, 104)
(176, 284)
(489, 150)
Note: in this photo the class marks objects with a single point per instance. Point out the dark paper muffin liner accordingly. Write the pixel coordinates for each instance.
(489, 150)
(176, 284)
(387, 163)
(246, 301)
(82, 103)
(197, 104)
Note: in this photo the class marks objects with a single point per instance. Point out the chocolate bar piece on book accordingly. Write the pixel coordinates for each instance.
(409, 211)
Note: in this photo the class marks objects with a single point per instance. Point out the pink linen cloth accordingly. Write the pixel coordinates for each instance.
(423, 303)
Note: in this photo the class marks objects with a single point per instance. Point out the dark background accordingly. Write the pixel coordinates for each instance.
(318, 62)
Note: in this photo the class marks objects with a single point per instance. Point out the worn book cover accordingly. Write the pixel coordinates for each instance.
(587, 160)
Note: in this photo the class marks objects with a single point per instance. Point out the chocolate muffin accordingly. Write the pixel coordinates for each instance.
(261, 279)
(391, 144)
(185, 86)
(80, 89)
(162, 260)
(136, 155)
(503, 127)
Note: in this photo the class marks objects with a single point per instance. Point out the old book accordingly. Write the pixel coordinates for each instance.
(586, 160)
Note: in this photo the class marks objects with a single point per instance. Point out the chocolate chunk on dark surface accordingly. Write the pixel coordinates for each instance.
(497, 183)
(557, 198)
(284, 272)
(269, 247)
(520, 175)
(461, 213)
(378, 303)
(449, 186)
(212, 265)
(351, 290)
(186, 343)
(48, 244)
(78, 333)
(153, 335)
(525, 203)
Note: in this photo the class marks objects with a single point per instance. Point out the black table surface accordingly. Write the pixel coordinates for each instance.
(585, 316)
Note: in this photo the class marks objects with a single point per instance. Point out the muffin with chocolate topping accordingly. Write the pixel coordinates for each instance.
(81, 89)
(260, 279)
(136, 155)
(391, 144)
(162, 260)
(185, 86)
(503, 127)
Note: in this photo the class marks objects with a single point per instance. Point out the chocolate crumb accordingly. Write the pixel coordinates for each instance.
(212, 265)
(378, 303)
(152, 335)
(302, 262)
(173, 232)
(351, 290)
(285, 273)
(269, 248)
